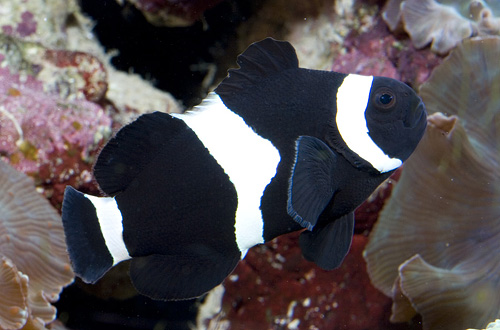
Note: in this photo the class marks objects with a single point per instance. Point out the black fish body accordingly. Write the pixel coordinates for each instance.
(276, 148)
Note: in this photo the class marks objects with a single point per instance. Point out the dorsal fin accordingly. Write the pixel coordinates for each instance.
(260, 60)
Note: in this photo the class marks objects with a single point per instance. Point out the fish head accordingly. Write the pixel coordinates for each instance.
(395, 116)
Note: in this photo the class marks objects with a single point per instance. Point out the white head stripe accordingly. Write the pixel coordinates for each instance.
(249, 160)
(110, 221)
(352, 100)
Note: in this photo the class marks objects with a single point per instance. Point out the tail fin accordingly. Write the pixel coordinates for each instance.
(86, 245)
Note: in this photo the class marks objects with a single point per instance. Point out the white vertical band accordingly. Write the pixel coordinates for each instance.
(110, 221)
(249, 160)
(352, 100)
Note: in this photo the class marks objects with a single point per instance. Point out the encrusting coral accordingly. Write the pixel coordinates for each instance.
(34, 263)
(443, 24)
(36, 125)
(433, 249)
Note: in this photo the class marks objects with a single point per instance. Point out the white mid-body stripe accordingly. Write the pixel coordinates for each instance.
(110, 221)
(352, 100)
(249, 160)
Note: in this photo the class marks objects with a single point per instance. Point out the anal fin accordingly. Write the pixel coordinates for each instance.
(179, 277)
(328, 245)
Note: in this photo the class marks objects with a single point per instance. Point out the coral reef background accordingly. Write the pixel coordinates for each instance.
(73, 72)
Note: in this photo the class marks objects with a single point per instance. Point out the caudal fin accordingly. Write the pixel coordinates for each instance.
(86, 245)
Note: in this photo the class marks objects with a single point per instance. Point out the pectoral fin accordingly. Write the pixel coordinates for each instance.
(311, 184)
(328, 245)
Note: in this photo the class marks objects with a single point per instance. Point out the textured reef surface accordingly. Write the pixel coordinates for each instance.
(427, 257)
(173, 13)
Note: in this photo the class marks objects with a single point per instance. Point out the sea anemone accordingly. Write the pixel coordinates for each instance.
(492, 326)
(443, 24)
(432, 249)
(34, 263)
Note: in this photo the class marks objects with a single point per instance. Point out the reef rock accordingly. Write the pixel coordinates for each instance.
(55, 37)
(280, 290)
(431, 247)
(173, 13)
(343, 36)
(41, 121)
(59, 94)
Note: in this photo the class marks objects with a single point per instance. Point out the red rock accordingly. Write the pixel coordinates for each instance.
(378, 52)
(275, 288)
(89, 67)
(174, 12)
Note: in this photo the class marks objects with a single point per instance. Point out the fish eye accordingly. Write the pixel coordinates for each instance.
(385, 99)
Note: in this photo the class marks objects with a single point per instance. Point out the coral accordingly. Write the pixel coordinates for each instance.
(317, 29)
(48, 127)
(28, 20)
(431, 247)
(343, 36)
(173, 13)
(86, 68)
(35, 265)
(35, 124)
(377, 52)
(442, 24)
(52, 41)
(275, 288)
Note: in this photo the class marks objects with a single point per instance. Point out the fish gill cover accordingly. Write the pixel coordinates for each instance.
(433, 249)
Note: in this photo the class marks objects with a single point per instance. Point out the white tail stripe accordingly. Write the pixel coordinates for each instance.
(352, 100)
(110, 221)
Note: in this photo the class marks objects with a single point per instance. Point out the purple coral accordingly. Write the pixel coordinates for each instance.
(34, 124)
(28, 24)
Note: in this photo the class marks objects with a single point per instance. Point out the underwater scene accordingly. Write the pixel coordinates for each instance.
(250, 164)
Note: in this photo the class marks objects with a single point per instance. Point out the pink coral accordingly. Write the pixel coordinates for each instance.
(27, 26)
(35, 124)
(377, 52)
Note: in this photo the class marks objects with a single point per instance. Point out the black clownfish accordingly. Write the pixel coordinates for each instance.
(275, 149)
